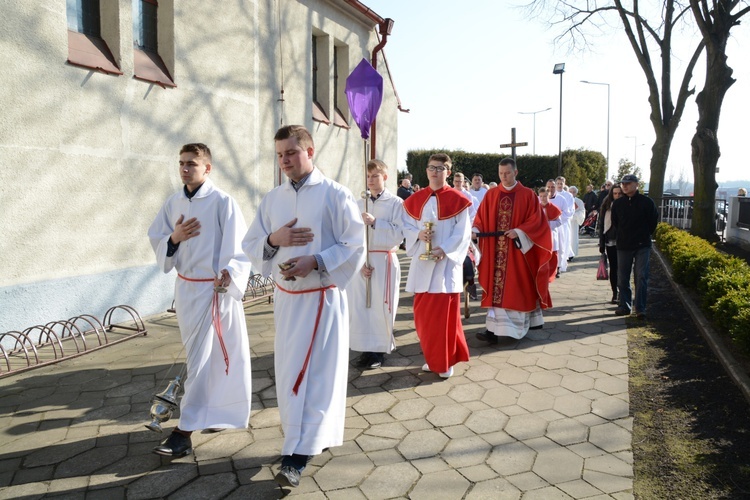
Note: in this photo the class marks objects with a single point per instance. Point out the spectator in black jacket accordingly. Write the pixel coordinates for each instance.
(405, 190)
(635, 217)
(590, 200)
(608, 236)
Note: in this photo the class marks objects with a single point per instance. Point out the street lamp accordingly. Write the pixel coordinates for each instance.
(534, 132)
(635, 148)
(559, 69)
(600, 83)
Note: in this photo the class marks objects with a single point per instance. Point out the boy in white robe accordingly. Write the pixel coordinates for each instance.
(561, 202)
(371, 328)
(568, 213)
(198, 232)
(311, 227)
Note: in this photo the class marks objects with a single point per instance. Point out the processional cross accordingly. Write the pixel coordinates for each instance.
(513, 144)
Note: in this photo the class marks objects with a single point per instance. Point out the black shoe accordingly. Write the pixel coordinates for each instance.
(558, 274)
(641, 316)
(376, 360)
(537, 327)
(621, 311)
(487, 336)
(176, 445)
(614, 299)
(288, 476)
(363, 361)
(471, 288)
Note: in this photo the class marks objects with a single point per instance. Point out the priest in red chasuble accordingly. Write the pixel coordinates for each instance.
(436, 282)
(515, 267)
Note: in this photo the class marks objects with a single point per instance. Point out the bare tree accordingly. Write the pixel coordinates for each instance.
(647, 37)
(715, 23)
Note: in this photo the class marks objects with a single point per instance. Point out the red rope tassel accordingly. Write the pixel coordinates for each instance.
(216, 314)
(315, 330)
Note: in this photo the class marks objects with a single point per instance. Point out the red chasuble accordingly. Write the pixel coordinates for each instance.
(450, 202)
(511, 279)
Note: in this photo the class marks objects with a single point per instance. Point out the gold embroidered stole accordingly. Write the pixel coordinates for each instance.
(504, 216)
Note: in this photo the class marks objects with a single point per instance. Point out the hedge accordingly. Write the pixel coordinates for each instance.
(580, 167)
(722, 281)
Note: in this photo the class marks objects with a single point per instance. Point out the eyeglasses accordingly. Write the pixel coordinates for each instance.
(433, 168)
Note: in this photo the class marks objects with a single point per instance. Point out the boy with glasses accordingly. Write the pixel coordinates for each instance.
(436, 278)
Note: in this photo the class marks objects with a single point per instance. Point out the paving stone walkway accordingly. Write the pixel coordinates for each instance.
(543, 418)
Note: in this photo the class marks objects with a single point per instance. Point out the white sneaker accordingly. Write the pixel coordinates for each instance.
(426, 368)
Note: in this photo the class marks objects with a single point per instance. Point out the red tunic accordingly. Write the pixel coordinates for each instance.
(450, 202)
(514, 280)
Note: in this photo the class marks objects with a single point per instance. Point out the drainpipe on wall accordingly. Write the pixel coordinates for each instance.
(384, 29)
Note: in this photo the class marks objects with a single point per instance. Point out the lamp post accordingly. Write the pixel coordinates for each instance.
(559, 69)
(534, 131)
(635, 148)
(601, 83)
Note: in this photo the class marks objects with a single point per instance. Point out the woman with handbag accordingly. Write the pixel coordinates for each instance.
(608, 236)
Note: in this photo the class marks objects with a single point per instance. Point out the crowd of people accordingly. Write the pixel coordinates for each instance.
(334, 261)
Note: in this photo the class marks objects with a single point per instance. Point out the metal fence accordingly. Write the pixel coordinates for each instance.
(677, 211)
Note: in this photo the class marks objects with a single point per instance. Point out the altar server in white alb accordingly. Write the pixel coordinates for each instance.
(371, 328)
(199, 233)
(308, 233)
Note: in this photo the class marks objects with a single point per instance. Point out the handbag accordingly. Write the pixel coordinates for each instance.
(602, 273)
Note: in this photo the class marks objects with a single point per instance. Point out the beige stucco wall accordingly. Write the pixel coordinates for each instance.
(89, 158)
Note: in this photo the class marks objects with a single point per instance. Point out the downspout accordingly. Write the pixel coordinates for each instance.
(384, 29)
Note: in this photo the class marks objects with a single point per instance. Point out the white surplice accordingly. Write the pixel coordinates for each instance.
(313, 419)
(453, 236)
(213, 398)
(564, 202)
(579, 216)
(371, 328)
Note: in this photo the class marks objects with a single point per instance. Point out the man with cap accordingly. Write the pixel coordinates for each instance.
(635, 217)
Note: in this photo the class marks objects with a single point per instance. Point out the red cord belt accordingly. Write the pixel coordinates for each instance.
(322, 291)
(388, 262)
(215, 315)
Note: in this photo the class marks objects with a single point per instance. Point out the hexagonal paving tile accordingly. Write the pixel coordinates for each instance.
(536, 400)
(486, 421)
(527, 426)
(479, 373)
(610, 437)
(572, 405)
(577, 382)
(375, 403)
(443, 416)
(390, 481)
(544, 379)
(500, 396)
(466, 452)
(422, 444)
(343, 472)
(411, 409)
(512, 458)
(567, 431)
(558, 465)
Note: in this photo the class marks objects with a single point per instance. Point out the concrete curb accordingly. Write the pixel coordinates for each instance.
(735, 371)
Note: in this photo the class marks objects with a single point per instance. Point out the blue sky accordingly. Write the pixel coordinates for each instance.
(466, 70)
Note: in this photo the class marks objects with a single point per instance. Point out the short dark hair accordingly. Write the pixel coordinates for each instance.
(303, 136)
(476, 174)
(198, 148)
(509, 161)
(442, 158)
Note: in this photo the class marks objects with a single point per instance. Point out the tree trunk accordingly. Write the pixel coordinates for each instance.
(705, 142)
(658, 164)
